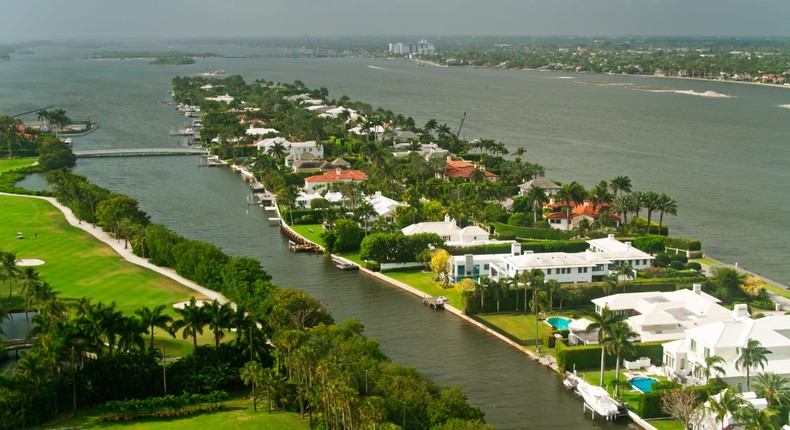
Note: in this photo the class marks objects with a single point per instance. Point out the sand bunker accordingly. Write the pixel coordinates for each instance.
(29, 262)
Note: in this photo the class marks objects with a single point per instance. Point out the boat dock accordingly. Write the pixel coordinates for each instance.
(303, 247)
(434, 302)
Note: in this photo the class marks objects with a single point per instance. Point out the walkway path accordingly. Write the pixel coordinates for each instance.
(126, 253)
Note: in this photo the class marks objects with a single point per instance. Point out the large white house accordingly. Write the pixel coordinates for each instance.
(450, 232)
(620, 252)
(309, 151)
(685, 358)
(659, 316)
(547, 185)
(561, 266)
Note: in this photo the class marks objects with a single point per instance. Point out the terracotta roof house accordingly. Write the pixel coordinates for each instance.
(587, 210)
(334, 176)
(463, 169)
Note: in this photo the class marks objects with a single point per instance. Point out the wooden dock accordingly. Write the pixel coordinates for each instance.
(303, 247)
(434, 302)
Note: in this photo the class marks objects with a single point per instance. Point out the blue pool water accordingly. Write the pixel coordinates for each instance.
(559, 323)
(643, 384)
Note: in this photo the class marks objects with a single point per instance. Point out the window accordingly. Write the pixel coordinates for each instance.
(707, 352)
(693, 345)
(548, 271)
(485, 267)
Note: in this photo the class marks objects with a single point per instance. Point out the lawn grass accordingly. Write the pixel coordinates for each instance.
(706, 262)
(237, 414)
(424, 282)
(313, 236)
(78, 265)
(666, 424)
(15, 163)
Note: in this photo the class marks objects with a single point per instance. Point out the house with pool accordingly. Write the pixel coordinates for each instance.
(602, 258)
(684, 359)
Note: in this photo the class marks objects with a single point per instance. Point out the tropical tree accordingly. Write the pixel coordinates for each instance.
(619, 341)
(604, 323)
(363, 212)
(193, 319)
(625, 271)
(251, 375)
(650, 203)
(752, 355)
(724, 404)
(30, 277)
(8, 268)
(714, 367)
(665, 205)
(219, 317)
(773, 387)
(571, 194)
(153, 318)
(287, 196)
(600, 194)
(536, 197)
(755, 419)
(620, 184)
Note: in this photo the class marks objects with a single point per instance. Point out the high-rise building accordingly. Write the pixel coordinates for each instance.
(423, 47)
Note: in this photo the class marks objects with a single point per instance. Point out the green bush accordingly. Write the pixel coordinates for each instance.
(535, 233)
(303, 216)
(519, 219)
(506, 235)
(498, 248)
(662, 260)
(694, 266)
(677, 265)
(589, 356)
(651, 244)
(678, 257)
(682, 243)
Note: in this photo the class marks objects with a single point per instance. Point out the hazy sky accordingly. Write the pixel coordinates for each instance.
(67, 19)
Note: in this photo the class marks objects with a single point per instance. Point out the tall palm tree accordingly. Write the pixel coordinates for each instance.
(8, 268)
(130, 334)
(755, 419)
(251, 375)
(571, 194)
(219, 318)
(429, 126)
(752, 355)
(773, 387)
(600, 194)
(621, 205)
(604, 323)
(650, 203)
(619, 342)
(665, 205)
(278, 151)
(29, 276)
(620, 184)
(536, 197)
(553, 287)
(726, 403)
(193, 319)
(714, 367)
(153, 318)
(625, 271)
(363, 212)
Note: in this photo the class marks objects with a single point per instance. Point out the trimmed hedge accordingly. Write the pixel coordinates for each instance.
(650, 403)
(503, 248)
(303, 216)
(535, 233)
(682, 243)
(589, 356)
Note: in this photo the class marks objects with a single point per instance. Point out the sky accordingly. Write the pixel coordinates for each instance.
(22, 20)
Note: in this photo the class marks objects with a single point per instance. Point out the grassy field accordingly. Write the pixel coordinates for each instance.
(310, 232)
(238, 414)
(78, 265)
(424, 282)
(15, 163)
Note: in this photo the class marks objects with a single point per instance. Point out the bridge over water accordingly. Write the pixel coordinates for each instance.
(139, 152)
(17, 344)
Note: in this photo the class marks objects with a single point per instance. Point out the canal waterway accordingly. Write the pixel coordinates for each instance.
(723, 159)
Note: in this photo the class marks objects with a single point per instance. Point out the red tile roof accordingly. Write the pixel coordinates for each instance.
(586, 209)
(463, 169)
(338, 175)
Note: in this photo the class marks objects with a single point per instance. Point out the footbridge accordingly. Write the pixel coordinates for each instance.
(139, 152)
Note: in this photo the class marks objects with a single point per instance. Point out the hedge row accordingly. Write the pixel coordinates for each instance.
(535, 233)
(303, 216)
(589, 356)
(650, 403)
(682, 243)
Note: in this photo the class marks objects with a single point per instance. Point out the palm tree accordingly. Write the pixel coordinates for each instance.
(8, 268)
(752, 355)
(554, 288)
(219, 318)
(755, 419)
(429, 126)
(30, 277)
(251, 375)
(620, 184)
(536, 197)
(277, 151)
(726, 403)
(571, 194)
(130, 334)
(650, 202)
(773, 388)
(665, 205)
(287, 196)
(153, 318)
(714, 366)
(610, 283)
(600, 194)
(619, 342)
(604, 323)
(363, 212)
(621, 205)
(193, 319)
(625, 271)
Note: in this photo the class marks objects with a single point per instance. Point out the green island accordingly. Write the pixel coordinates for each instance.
(174, 58)
(279, 348)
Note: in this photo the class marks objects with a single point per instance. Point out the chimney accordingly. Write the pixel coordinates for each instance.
(377, 194)
(337, 171)
(741, 310)
(449, 157)
(697, 288)
(611, 236)
(628, 245)
(551, 200)
(515, 248)
(447, 218)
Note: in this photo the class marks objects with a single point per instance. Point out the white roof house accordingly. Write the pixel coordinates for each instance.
(226, 98)
(709, 420)
(450, 232)
(686, 357)
(657, 316)
(296, 150)
(620, 252)
(547, 185)
(259, 131)
(266, 144)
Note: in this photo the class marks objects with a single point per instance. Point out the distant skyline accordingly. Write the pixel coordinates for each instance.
(22, 20)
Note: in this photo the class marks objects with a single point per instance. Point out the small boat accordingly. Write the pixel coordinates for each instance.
(347, 266)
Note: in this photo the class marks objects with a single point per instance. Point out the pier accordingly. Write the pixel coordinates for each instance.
(138, 152)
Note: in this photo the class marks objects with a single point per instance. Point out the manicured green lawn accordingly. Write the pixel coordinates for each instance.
(15, 163)
(667, 425)
(705, 261)
(76, 264)
(238, 414)
(313, 236)
(517, 324)
(424, 282)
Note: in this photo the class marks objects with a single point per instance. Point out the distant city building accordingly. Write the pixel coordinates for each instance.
(423, 47)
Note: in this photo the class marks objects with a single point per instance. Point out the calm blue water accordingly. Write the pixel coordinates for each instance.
(559, 323)
(643, 384)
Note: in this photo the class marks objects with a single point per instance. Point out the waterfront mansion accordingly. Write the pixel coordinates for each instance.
(602, 258)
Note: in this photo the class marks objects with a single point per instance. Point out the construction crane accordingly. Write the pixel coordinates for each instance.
(458, 132)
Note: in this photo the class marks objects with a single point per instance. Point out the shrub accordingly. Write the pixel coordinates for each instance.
(677, 265)
(679, 257)
(694, 266)
(589, 356)
(519, 219)
(662, 260)
(506, 235)
(536, 233)
(682, 243)
(651, 244)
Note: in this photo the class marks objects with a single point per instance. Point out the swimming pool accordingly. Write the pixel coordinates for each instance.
(560, 323)
(643, 384)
